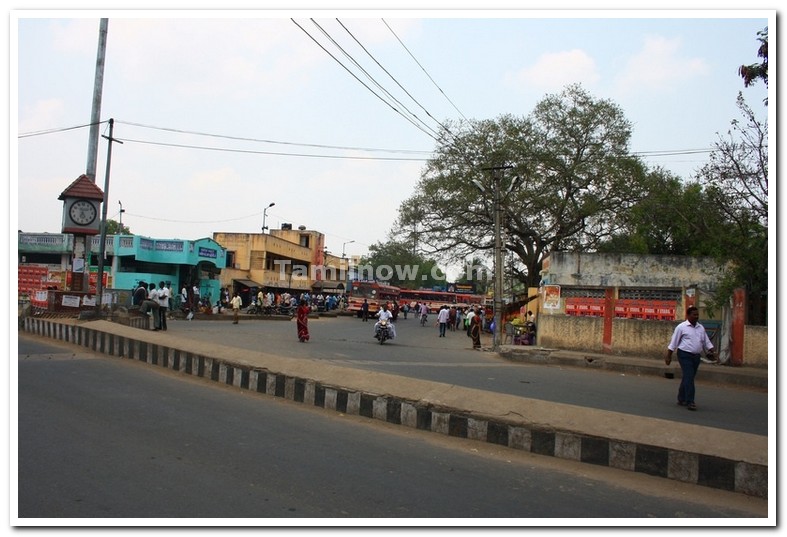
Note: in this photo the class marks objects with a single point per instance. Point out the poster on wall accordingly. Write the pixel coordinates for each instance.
(552, 297)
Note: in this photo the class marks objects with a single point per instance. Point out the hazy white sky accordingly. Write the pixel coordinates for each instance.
(222, 113)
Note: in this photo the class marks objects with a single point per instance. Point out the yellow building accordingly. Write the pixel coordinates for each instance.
(284, 260)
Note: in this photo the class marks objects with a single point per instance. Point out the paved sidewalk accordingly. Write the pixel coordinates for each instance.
(706, 456)
(754, 377)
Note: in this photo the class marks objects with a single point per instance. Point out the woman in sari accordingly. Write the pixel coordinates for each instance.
(475, 331)
(302, 315)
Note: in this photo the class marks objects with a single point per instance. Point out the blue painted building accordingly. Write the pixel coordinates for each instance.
(129, 260)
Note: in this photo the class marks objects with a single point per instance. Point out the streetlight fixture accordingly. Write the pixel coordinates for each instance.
(122, 210)
(264, 214)
(343, 245)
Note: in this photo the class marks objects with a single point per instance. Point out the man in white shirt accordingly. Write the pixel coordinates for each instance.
(151, 304)
(442, 318)
(385, 315)
(236, 304)
(469, 319)
(689, 339)
(195, 297)
(163, 304)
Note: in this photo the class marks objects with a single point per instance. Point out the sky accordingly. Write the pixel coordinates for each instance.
(222, 113)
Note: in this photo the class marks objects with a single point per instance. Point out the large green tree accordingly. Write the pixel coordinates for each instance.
(672, 218)
(396, 263)
(564, 173)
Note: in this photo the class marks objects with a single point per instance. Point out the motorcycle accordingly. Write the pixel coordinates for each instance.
(383, 331)
(286, 310)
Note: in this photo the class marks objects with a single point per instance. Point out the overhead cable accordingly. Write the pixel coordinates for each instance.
(361, 81)
(424, 70)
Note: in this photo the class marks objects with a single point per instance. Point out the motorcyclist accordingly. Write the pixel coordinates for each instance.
(385, 315)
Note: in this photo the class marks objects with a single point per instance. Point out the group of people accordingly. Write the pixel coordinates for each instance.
(447, 317)
(319, 301)
(154, 300)
(689, 338)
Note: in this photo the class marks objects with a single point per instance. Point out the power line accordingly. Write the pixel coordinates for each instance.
(279, 142)
(389, 74)
(373, 80)
(652, 153)
(361, 81)
(192, 221)
(273, 153)
(424, 70)
(54, 131)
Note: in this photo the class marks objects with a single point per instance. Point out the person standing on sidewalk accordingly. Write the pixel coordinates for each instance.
(151, 304)
(689, 340)
(475, 329)
(163, 305)
(236, 304)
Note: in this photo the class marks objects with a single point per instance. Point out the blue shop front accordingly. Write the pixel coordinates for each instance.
(178, 263)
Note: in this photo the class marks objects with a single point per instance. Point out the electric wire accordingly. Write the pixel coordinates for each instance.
(278, 142)
(389, 74)
(359, 80)
(424, 70)
(652, 153)
(374, 81)
(271, 153)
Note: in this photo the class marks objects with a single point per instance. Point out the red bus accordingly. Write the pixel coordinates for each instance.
(375, 294)
(435, 299)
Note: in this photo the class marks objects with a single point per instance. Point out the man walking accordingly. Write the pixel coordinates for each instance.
(689, 339)
(236, 304)
(442, 318)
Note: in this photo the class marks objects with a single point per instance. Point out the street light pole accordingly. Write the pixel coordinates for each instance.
(122, 210)
(343, 245)
(264, 214)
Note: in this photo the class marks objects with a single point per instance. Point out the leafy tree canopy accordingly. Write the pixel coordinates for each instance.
(757, 71)
(115, 228)
(568, 176)
(397, 264)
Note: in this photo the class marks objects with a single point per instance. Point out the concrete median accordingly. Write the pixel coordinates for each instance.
(727, 460)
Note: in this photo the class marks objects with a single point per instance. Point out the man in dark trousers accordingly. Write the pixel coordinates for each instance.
(689, 339)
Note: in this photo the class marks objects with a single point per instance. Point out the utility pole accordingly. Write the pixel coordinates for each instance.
(95, 117)
(498, 299)
(103, 235)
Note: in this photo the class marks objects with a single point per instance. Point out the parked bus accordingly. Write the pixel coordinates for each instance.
(435, 299)
(375, 294)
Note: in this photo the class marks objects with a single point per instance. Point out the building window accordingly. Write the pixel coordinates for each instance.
(305, 241)
(230, 259)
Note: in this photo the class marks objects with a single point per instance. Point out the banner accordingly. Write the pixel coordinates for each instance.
(552, 297)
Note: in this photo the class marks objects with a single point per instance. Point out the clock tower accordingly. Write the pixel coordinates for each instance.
(81, 203)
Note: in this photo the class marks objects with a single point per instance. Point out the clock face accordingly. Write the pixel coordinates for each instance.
(82, 212)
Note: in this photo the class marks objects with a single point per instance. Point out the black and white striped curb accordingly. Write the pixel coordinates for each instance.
(696, 468)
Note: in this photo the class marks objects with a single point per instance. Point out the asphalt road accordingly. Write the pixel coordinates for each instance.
(107, 438)
(418, 352)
